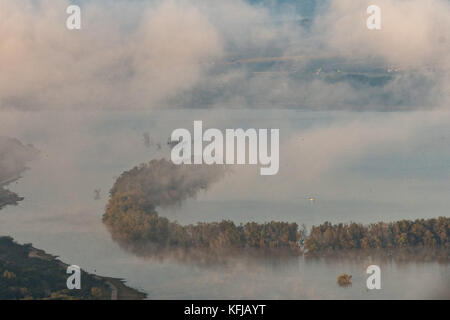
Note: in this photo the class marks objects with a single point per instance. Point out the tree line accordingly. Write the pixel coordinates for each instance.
(399, 234)
(132, 218)
(25, 277)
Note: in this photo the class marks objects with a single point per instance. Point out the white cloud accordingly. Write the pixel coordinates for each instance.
(414, 33)
(177, 53)
(112, 62)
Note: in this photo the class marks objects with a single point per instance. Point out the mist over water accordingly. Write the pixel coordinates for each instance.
(353, 164)
(83, 100)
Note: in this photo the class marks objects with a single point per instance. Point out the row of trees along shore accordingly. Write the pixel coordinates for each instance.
(403, 233)
(130, 222)
(132, 219)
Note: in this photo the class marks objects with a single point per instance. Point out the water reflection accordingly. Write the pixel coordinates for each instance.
(397, 255)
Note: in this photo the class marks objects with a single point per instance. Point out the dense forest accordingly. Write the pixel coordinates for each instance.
(132, 219)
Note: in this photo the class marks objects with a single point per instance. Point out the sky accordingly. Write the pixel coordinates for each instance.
(149, 55)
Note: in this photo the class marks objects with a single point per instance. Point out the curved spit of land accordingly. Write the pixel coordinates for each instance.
(134, 223)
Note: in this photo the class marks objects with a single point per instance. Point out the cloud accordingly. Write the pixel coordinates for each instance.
(414, 33)
(335, 64)
(346, 155)
(233, 54)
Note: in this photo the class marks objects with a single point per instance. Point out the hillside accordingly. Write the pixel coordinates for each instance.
(30, 273)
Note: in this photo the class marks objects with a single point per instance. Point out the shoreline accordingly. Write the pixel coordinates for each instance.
(119, 290)
(14, 256)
